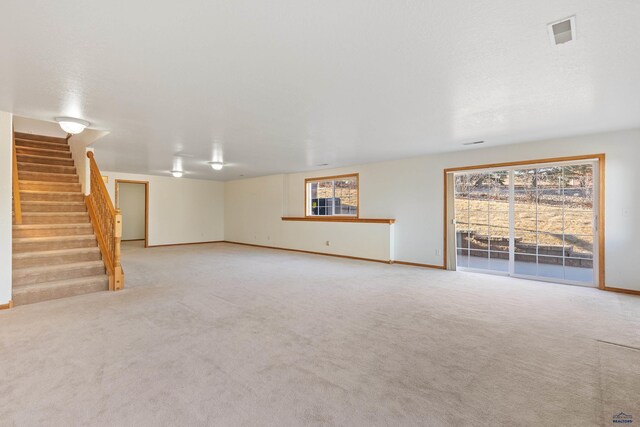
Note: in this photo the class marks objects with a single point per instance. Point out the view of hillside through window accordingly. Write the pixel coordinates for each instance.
(337, 196)
(553, 214)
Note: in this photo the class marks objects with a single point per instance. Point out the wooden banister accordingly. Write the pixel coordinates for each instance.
(17, 207)
(107, 223)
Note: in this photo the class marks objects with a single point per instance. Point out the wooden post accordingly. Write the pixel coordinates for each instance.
(117, 236)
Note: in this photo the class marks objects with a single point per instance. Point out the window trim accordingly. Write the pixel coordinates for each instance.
(307, 206)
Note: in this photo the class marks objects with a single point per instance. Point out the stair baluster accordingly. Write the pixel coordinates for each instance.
(107, 223)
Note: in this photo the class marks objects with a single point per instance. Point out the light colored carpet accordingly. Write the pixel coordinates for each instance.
(229, 335)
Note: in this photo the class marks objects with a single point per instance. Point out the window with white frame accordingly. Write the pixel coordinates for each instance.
(332, 196)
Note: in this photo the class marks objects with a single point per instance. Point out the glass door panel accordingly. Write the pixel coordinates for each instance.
(525, 222)
(534, 222)
(482, 220)
(461, 206)
(552, 207)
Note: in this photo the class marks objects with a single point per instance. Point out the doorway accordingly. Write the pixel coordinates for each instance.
(538, 221)
(132, 198)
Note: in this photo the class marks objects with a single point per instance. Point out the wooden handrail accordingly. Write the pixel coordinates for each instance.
(17, 207)
(107, 223)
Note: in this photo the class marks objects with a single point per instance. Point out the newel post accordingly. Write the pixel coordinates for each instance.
(117, 237)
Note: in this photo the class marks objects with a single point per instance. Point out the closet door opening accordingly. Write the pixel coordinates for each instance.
(132, 198)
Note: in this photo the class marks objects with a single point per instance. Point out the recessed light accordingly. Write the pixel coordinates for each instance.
(473, 143)
(72, 125)
(216, 166)
(562, 31)
(177, 174)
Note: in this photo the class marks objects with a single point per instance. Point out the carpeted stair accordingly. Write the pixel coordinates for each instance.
(55, 252)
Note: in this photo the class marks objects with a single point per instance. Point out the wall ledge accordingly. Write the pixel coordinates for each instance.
(340, 219)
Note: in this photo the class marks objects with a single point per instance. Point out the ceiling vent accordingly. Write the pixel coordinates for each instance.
(563, 31)
(473, 143)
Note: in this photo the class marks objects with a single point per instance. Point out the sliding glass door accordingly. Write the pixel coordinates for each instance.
(482, 220)
(537, 222)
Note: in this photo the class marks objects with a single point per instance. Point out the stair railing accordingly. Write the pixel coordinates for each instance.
(107, 223)
(17, 207)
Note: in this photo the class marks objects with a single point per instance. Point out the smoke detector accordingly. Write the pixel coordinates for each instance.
(563, 31)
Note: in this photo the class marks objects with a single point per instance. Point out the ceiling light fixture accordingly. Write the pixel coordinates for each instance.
(216, 166)
(177, 174)
(72, 125)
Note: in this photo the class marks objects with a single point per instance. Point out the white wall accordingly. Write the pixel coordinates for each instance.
(131, 201)
(411, 191)
(180, 210)
(256, 206)
(6, 182)
(81, 162)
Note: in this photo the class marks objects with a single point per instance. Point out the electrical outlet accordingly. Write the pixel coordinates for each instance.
(438, 252)
(327, 243)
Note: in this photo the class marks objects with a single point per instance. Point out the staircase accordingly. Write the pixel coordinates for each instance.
(55, 251)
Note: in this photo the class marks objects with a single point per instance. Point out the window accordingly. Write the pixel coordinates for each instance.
(332, 196)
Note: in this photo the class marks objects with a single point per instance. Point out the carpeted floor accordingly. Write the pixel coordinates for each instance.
(228, 335)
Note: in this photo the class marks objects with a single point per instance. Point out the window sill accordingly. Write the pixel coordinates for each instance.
(340, 219)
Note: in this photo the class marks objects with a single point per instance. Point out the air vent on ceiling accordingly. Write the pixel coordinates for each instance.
(473, 143)
(563, 31)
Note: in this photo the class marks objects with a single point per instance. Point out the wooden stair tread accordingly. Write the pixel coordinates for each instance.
(52, 207)
(31, 182)
(52, 202)
(22, 142)
(45, 226)
(44, 160)
(43, 152)
(51, 192)
(42, 157)
(48, 177)
(44, 214)
(38, 174)
(54, 253)
(45, 138)
(55, 167)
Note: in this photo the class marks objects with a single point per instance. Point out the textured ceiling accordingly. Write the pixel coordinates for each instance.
(285, 85)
